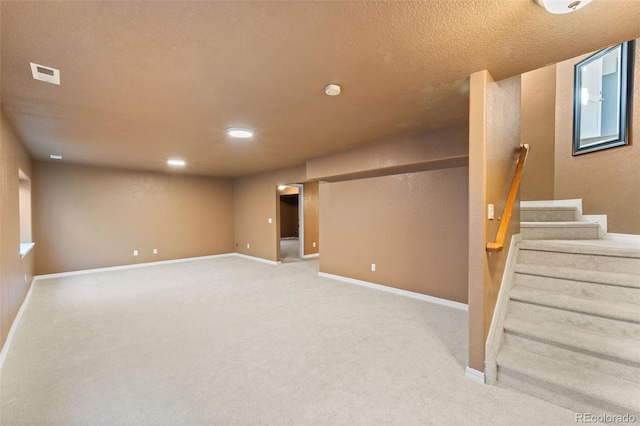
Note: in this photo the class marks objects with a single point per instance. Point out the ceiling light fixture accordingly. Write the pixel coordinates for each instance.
(55, 156)
(47, 74)
(176, 162)
(239, 132)
(332, 89)
(562, 6)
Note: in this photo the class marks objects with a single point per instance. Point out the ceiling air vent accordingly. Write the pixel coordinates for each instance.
(42, 73)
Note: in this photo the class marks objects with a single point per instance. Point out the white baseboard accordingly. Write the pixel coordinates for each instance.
(257, 259)
(406, 293)
(473, 374)
(14, 325)
(160, 262)
(307, 256)
(134, 265)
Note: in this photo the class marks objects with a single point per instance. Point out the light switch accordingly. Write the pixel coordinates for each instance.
(490, 212)
(270, 220)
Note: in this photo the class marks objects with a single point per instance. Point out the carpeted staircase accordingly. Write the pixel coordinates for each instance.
(571, 334)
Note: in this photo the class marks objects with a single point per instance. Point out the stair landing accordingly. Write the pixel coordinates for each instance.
(559, 219)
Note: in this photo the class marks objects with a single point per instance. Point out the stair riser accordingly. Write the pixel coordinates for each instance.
(617, 368)
(563, 397)
(580, 261)
(556, 233)
(581, 289)
(548, 215)
(588, 322)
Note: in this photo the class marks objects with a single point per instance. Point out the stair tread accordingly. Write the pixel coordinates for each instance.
(574, 274)
(545, 208)
(610, 389)
(616, 310)
(575, 337)
(624, 329)
(566, 246)
(575, 203)
(559, 224)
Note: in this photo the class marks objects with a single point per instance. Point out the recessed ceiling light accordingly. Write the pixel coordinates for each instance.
(239, 132)
(47, 74)
(562, 6)
(55, 157)
(332, 89)
(176, 162)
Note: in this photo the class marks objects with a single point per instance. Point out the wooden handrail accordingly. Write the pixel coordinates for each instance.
(511, 200)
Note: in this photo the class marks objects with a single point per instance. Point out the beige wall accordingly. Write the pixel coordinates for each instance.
(288, 190)
(289, 216)
(16, 273)
(494, 138)
(311, 206)
(446, 147)
(90, 217)
(256, 199)
(413, 226)
(538, 110)
(608, 181)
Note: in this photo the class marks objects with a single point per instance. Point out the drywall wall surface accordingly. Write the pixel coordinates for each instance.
(91, 217)
(16, 272)
(503, 150)
(479, 82)
(412, 226)
(538, 124)
(441, 146)
(289, 220)
(494, 139)
(256, 200)
(288, 190)
(311, 206)
(607, 181)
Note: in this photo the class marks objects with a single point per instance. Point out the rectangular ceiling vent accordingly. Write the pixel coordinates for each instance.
(42, 73)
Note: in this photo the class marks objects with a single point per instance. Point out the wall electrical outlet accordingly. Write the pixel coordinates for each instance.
(248, 245)
(373, 267)
(490, 212)
(135, 252)
(155, 251)
(314, 243)
(270, 221)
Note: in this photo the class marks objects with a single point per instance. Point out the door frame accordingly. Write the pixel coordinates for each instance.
(300, 218)
(300, 187)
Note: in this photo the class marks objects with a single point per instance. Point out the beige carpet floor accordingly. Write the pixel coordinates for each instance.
(231, 341)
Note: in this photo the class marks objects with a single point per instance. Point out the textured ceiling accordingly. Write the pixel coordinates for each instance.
(145, 81)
